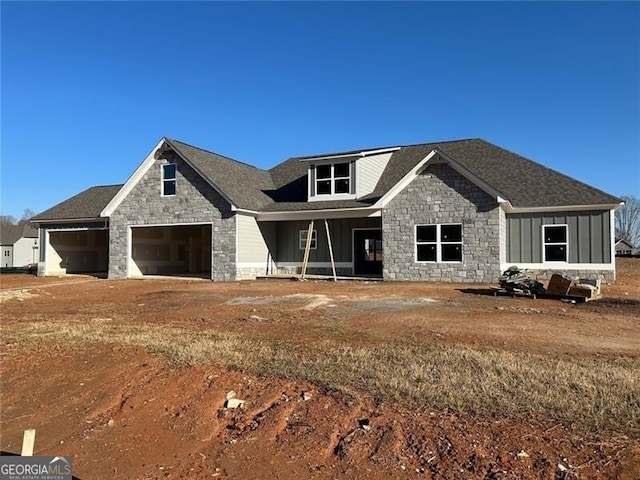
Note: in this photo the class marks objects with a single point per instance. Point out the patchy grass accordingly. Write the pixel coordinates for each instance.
(591, 393)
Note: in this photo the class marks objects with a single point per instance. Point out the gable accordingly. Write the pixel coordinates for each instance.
(146, 203)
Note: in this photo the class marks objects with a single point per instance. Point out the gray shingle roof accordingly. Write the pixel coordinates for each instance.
(10, 234)
(87, 204)
(284, 187)
(245, 185)
(524, 182)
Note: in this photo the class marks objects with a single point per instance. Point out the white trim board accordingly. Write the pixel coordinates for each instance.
(508, 208)
(559, 266)
(612, 235)
(358, 212)
(132, 181)
(69, 220)
(361, 154)
(545, 243)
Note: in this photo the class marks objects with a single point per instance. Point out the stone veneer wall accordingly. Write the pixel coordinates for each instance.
(545, 274)
(441, 195)
(340, 271)
(250, 273)
(195, 202)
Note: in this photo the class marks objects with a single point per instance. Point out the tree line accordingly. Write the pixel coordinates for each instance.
(628, 220)
(9, 220)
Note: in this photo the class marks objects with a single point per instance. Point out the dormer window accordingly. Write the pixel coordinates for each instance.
(333, 178)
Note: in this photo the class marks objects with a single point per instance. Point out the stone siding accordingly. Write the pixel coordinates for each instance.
(250, 273)
(440, 195)
(340, 271)
(195, 201)
(545, 274)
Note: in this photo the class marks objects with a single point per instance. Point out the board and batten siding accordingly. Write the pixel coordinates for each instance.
(341, 231)
(588, 231)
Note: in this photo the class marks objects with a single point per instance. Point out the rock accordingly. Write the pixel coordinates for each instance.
(234, 403)
(111, 423)
(231, 394)
(364, 424)
(523, 454)
(306, 396)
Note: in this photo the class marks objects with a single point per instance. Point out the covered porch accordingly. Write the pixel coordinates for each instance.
(338, 247)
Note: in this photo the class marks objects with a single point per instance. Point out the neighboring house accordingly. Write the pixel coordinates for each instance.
(623, 247)
(19, 245)
(454, 211)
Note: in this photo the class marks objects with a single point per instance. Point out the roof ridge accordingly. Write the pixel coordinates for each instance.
(215, 153)
(397, 145)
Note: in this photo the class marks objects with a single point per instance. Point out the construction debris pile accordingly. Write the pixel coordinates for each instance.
(515, 282)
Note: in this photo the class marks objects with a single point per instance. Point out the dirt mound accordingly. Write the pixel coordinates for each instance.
(123, 413)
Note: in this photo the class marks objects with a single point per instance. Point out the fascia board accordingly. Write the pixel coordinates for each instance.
(404, 182)
(508, 208)
(69, 220)
(133, 180)
(364, 153)
(473, 178)
(319, 214)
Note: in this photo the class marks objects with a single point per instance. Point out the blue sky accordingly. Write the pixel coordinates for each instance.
(89, 88)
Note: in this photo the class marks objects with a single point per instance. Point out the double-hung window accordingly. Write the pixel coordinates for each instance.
(554, 243)
(333, 178)
(439, 243)
(169, 179)
(302, 240)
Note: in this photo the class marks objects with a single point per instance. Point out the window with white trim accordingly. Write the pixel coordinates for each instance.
(303, 239)
(554, 243)
(439, 243)
(169, 179)
(333, 178)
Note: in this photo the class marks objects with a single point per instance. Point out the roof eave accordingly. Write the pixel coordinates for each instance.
(68, 220)
(562, 208)
(353, 212)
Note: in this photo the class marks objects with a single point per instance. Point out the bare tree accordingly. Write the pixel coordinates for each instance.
(7, 220)
(628, 220)
(27, 215)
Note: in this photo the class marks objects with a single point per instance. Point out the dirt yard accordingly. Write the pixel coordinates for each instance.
(353, 380)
